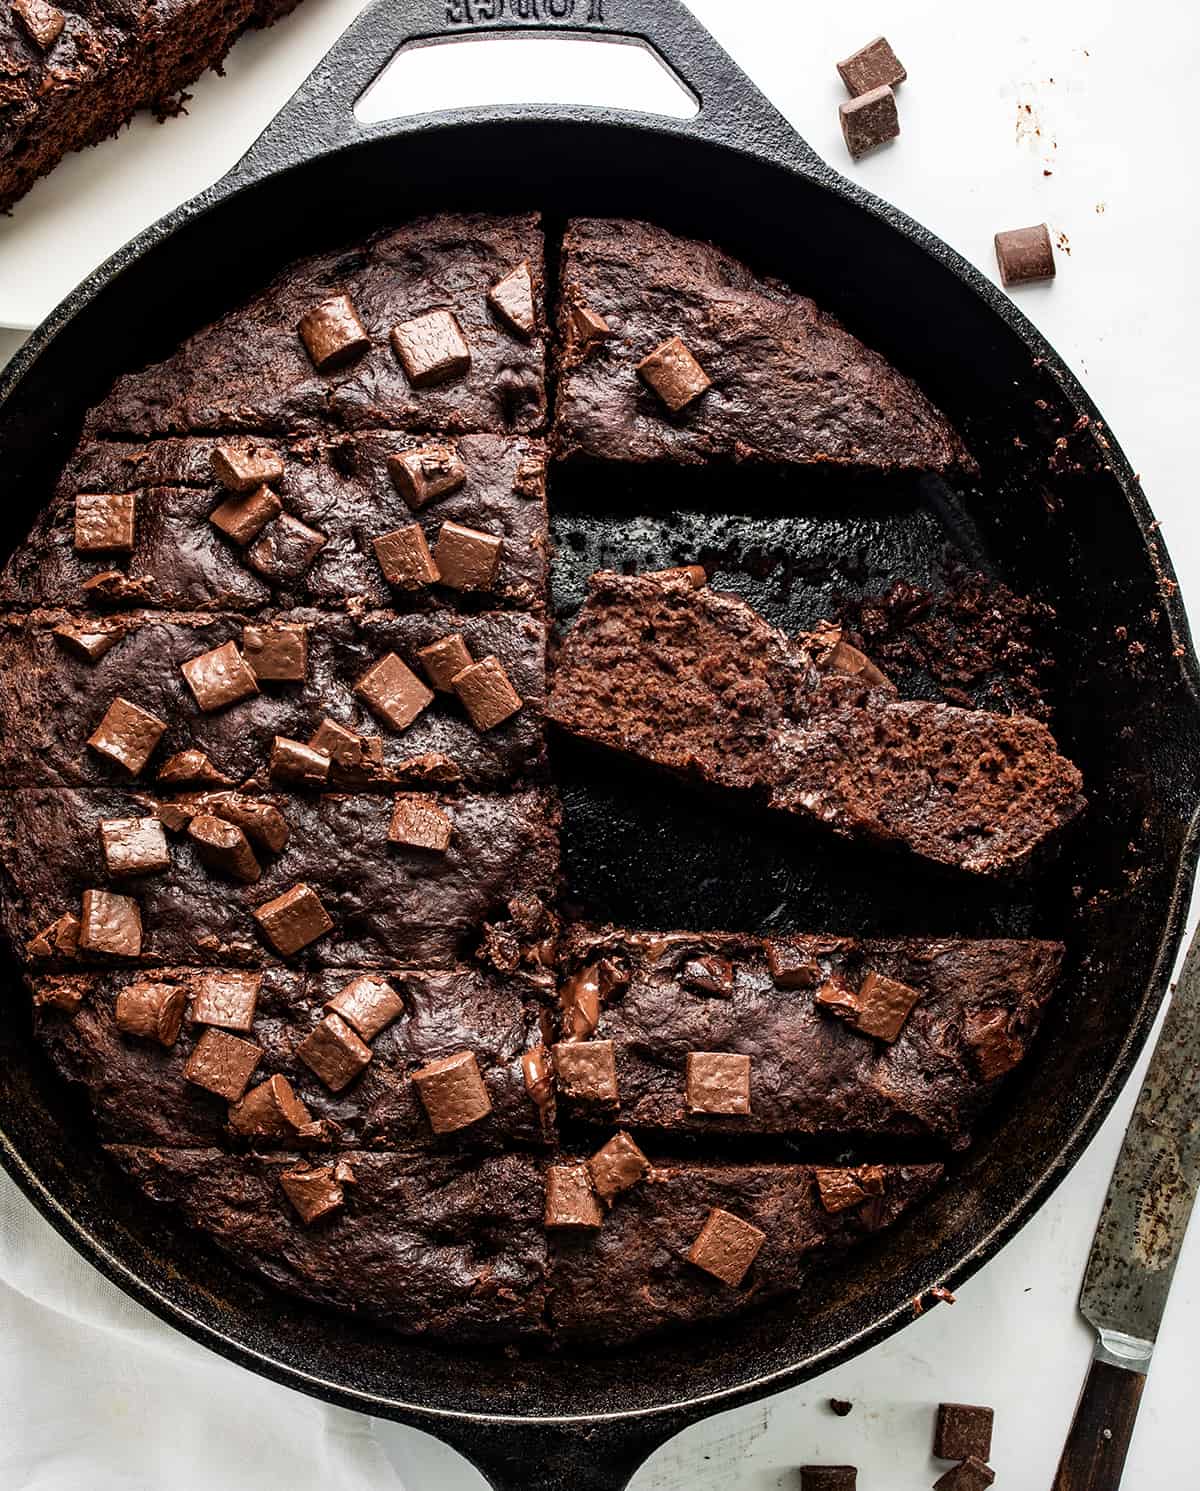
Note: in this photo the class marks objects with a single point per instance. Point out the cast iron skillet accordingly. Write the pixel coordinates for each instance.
(1057, 512)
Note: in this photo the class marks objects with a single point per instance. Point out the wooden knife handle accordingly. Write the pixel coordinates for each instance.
(1094, 1454)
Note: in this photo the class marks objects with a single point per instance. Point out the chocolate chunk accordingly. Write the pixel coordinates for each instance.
(419, 823)
(444, 658)
(261, 822)
(64, 994)
(315, 1190)
(789, 968)
(570, 1200)
(840, 1189)
(333, 333)
(293, 761)
(353, 757)
(114, 588)
(277, 653)
(134, 846)
(405, 559)
(963, 1431)
(222, 1064)
(883, 1006)
(538, 1075)
(580, 996)
(191, 767)
(869, 121)
(971, 1475)
(59, 939)
(694, 575)
(487, 693)
(995, 1049)
(286, 549)
(674, 374)
(110, 924)
(841, 1407)
(88, 642)
(243, 518)
(219, 677)
(226, 998)
(718, 1082)
(710, 974)
(617, 1166)
(512, 300)
(585, 327)
(43, 22)
(223, 847)
(586, 1071)
(1025, 254)
(453, 1092)
(270, 1111)
(368, 1003)
(245, 467)
(393, 692)
(465, 558)
(431, 769)
(294, 919)
(828, 1478)
(104, 522)
(726, 1247)
(151, 1010)
(127, 735)
(425, 473)
(334, 1052)
(431, 349)
(872, 66)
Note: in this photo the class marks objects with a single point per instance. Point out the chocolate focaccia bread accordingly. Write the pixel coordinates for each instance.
(732, 366)
(70, 76)
(669, 672)
(400, 333)
(830, 1037)
(279, 839)
(453, 1245)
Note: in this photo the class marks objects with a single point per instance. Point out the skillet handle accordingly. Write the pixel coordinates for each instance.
(319, 117)
(525, 1455)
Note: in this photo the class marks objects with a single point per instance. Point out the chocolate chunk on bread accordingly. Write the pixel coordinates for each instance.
(697, 682)
(671, 995)
(273, 364)
(703, 360)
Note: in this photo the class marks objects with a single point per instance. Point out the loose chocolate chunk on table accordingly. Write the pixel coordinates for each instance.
(726, 1247)
(104, 522)
(868, 121)
(127, 735)
(570, 1200)
(872, 66)
(151, 1010)
(335, 1052)
(223, 1064)
(828, 1478)
(333, 334)
(1025, 254)
(244, 466)
(110, 924)
(134, 846)
(225, 997)
(453, 1092)
(674, 374)
(963, 1430)
(970, 1475)
(586, 1072)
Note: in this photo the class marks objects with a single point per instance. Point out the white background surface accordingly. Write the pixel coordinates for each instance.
(1110, 95)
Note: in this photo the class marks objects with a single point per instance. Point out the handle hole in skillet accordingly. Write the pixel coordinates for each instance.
(464, 72)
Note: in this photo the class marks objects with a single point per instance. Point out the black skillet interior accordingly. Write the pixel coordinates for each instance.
(1056, 514)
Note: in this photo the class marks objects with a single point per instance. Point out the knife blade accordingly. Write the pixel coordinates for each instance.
(1137, 1243)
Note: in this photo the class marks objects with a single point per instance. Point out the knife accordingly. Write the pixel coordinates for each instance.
(1137, 1244)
